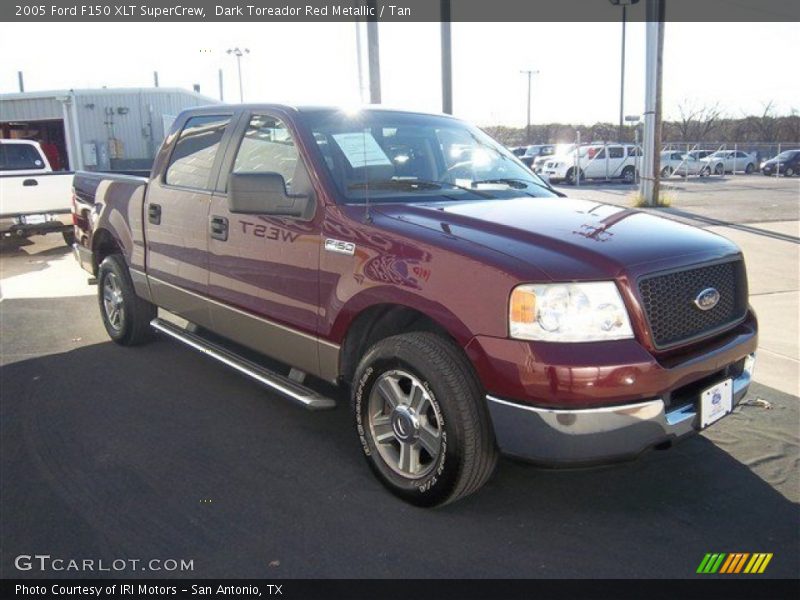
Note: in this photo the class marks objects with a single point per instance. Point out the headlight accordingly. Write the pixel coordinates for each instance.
(569, 312)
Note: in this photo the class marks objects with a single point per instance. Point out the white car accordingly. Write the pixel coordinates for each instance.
(680, 163)
(33, 199)
(729, 161)
(594, 161)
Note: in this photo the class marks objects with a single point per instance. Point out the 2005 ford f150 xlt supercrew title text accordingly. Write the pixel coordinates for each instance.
(470, 308)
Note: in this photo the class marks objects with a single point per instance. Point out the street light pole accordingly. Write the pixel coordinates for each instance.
(624, 4)
(530, 73)
(238, 54)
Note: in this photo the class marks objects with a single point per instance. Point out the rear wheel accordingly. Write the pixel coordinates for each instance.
(125, 315)
(629, 174)
(749, 168)
(666, 172)
(788, 171)
(422, 419)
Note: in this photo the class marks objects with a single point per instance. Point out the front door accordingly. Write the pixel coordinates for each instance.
(264, 270)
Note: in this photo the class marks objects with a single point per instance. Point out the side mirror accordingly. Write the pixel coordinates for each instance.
(264, 194)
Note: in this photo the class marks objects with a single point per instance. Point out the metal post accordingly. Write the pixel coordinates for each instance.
(530, 73)
(652, 115)
(21, 81)
(239, 68)
(221, 88)
(622, 76)
(447, 60)
(577, 158)
(359, 62)
(373, 56)
(155, 78)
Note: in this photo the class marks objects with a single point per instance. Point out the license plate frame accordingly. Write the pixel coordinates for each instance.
(716, 402)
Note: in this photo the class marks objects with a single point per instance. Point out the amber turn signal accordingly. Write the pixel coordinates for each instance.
(523, 305)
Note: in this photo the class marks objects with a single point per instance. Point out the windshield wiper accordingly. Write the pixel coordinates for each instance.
(519, 184)
(414, 185)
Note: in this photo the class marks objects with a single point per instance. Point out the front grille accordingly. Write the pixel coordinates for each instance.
(669, 305)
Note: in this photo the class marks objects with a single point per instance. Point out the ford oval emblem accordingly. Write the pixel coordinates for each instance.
(707, 299)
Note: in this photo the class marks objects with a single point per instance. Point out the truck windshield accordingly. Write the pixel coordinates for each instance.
(404, 157)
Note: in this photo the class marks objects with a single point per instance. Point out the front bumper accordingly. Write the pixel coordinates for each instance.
(596, 435)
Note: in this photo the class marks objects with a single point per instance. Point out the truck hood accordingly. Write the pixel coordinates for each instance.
(566, 239)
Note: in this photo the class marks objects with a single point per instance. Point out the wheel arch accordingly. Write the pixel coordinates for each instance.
(362, 328)
(104, 244)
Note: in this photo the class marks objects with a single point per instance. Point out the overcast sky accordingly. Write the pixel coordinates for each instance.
(741, 66)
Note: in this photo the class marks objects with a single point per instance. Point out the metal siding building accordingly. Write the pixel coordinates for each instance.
(102, 129)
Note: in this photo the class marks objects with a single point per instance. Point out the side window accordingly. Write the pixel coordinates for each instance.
(267, 147)
(616, 152)
(634, 151)
(194, 153)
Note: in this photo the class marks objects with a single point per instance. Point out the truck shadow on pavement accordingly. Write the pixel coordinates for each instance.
(156, 452)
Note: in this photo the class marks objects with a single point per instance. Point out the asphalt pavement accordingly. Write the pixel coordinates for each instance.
(158, 452)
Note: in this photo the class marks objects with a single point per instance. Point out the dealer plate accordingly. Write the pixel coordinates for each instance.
(716, 402)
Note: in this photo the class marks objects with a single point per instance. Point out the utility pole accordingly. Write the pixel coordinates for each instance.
(155, 78)
(651, 147)
(359, 62)
(447, 60)
(21, 81)
(221, 92)
(238, 54)
(373, 56)
(530, 74)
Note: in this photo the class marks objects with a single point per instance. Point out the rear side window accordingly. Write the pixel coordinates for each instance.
(616, 152)
(193, 158)
(18, 157)
(267, 147)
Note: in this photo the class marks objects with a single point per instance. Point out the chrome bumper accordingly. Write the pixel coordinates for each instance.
(594, 435)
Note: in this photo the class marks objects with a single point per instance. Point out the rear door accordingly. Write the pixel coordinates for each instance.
(616, 160)
(176, 217)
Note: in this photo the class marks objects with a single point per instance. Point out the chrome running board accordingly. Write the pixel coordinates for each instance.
(304, 396)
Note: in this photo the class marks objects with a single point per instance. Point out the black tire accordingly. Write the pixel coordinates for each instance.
(705, 172)
(749, 168)
(788, 172)
(133, 325)
(666, 172)
(467, 453)
(570, 179)
(629, 174)
(719, 169)
(69, 237)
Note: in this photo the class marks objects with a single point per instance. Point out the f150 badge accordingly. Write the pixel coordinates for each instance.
(340, 247)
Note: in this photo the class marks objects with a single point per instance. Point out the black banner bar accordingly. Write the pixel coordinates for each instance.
(388, 10)
(729, 588)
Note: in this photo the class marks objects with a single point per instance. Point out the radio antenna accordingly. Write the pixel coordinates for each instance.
(367, 216)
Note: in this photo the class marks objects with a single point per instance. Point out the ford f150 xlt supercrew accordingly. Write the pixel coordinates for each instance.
(470, 310)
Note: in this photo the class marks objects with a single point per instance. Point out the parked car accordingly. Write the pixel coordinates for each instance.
(729, 161)
(469, 310)
(595, 161)
(679, 163)
(558, 150)
(34, 200)
(787, 163)
(698, 154)
(533, 152)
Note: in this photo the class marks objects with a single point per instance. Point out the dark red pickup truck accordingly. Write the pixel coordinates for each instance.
(470, 309)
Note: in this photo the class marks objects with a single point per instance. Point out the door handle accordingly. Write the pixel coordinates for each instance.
(219, 228)
(30, 182)
(154, 214)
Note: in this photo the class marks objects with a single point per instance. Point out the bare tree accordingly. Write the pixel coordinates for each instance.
(695, 122)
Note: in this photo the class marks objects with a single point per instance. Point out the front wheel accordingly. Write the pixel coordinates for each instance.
(422, 419)
(749, 168)
(788, 172)
(126, 316)
(666, 172)
(719, 169)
